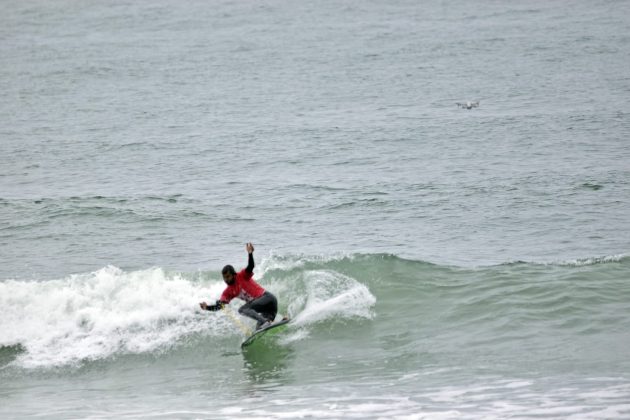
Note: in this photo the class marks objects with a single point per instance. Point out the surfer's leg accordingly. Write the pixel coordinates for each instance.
(249, 312)
(262, 309)
(268, 306)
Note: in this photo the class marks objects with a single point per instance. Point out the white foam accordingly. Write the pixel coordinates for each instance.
(352, 407)
(509, 398)
(92, 316)
(331, 295)
(580, 262)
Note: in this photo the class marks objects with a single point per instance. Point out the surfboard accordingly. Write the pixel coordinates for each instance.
(258, 334)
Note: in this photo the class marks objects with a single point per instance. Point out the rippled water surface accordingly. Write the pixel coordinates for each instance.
(438, 262)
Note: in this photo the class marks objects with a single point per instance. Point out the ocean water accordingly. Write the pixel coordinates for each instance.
(438, 262)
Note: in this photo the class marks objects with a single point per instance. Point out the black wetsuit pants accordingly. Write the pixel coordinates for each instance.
(262, 309)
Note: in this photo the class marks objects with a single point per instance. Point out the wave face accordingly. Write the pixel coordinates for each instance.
(572, 312)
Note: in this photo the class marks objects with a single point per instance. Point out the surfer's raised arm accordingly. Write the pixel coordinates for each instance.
(250, 259)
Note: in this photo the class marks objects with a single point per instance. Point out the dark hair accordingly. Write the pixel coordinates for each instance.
(228, 269)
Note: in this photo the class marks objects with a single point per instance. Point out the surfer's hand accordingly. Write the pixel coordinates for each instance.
(249, 247)
(203, 305)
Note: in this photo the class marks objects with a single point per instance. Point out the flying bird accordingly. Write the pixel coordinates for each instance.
(468, 104)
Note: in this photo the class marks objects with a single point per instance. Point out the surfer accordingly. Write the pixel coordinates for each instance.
(259, 304)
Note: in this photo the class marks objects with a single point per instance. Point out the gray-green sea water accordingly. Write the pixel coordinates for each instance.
(437, 262)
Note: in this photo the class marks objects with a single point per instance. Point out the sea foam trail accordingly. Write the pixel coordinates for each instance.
(330, 294)
(95, 315)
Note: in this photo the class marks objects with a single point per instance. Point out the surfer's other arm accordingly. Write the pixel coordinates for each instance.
(216, 307)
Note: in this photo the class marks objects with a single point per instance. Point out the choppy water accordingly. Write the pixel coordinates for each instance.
(438, 262)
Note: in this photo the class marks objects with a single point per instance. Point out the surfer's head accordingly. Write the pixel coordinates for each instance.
(229, 274)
